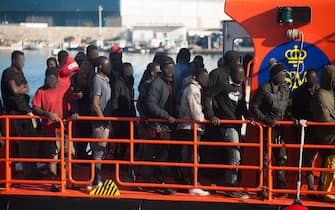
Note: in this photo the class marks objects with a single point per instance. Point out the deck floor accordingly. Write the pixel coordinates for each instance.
(45, 190)
(81, 173)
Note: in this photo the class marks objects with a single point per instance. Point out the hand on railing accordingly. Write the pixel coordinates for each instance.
(33, 121)
(251, 121)
(301, 122)
(52, 116)
(74, 117)
(171, 120)
(215, 121)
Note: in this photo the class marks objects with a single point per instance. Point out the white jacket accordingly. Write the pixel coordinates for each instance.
(190, 105)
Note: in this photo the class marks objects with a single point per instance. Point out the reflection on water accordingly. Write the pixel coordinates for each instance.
(36, 64)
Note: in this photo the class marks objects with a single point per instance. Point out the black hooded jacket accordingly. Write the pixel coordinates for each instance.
(323, 107)
(158, 100)
(269, 104)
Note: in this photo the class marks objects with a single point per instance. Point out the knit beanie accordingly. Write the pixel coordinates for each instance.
(275, 67)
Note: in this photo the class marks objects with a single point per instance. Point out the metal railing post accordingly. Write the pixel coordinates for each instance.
(8, 163)
(195, 153)
(270, 178)
(62, 158)
(131, 146)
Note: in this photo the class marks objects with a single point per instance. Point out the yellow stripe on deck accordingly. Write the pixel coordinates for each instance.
(107, 188)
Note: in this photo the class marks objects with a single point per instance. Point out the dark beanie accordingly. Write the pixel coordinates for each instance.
(231, 57)
(51, 71)
(183, 56)
(276, 69)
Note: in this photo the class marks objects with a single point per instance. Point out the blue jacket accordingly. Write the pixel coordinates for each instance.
(182, 70)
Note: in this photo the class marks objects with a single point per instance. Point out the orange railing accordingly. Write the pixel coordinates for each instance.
(272, 168)
(9, 180)
(66, 169)
(247, 75)
(195, 165)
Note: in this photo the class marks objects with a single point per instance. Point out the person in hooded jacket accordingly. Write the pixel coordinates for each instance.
(269, 105)
(214, 109)
(323, 107)
(160, 104)
(68, 67)
(149, 75)
(302, 98)
(182, 70)
(82, 83)
(191, 108)
(217, 78)
(122, 103)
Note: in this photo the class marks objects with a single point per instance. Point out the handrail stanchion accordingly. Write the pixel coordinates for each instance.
(270, 178)
(69, 148)
(117, 173)
(247, 74)
(261, 155)
(131, 148)
(70, 160)
(195, 153)
(8, 164)
(62, 158)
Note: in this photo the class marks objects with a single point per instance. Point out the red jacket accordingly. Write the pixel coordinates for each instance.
(67, 70)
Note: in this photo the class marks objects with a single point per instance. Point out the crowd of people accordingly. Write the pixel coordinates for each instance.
(93, 85)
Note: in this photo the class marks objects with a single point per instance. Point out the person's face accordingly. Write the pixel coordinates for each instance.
(51, 81)
(128, 72)
(19, 61)
(279, 78)
(92, 55)
(155, 71)
(61, 61)
(238, 75)
(312, 78)
(203, 79)
(52, 63)
(105, 67)
(168, 71)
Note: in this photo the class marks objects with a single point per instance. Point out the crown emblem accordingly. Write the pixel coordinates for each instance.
(295, 56)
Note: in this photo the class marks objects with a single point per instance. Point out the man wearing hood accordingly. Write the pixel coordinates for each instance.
(160, 104)
(217, 79)
(191, 108)
(182, 70)
(323, 107)
(302, 98)
(68, 67)
(123, 105)
(214, 109)
(231, 98)
(82, 85)
(269, 105)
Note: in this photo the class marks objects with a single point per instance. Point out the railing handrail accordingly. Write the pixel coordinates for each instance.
(9, 159)
(272, 168)
(132, 141)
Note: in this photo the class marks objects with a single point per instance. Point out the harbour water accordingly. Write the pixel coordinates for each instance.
(35, 65)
